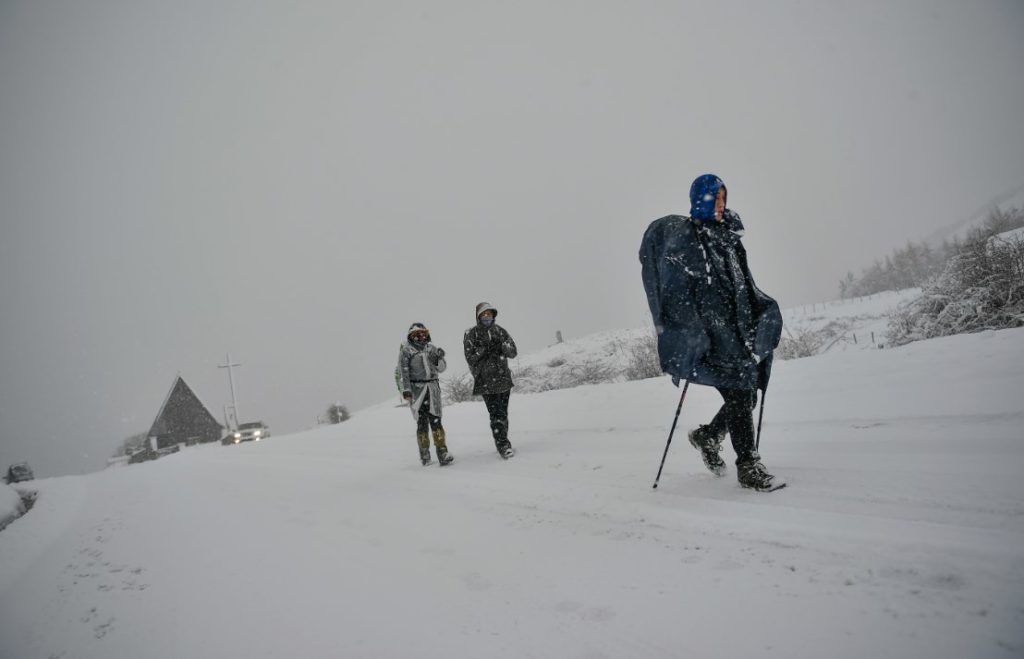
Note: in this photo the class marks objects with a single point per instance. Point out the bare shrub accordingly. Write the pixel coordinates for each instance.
(642, 358)
(803, 342)
(591, 372)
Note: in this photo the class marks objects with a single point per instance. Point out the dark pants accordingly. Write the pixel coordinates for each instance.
(737, 417)
(425, 418)
(497, 408)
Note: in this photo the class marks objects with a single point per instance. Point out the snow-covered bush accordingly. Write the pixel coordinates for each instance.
(457, 389)
(132, 444)
(533, 379)
(643, 361)
(11, 505)
(801, 342)
(338, 413)
(608, 356)
(809, 341)
(981, 288)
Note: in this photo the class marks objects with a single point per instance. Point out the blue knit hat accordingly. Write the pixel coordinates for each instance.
(702, 197)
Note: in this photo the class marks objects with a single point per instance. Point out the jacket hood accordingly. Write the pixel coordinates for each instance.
(702, 197)
(485, 306)
(417, 326)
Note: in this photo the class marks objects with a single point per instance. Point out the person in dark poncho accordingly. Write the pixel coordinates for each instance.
(715, 326)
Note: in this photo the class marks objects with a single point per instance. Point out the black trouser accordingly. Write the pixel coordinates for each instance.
(497, 408)
(425, 418)
(737, 417)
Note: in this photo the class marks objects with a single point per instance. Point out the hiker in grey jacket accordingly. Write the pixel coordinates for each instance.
(488, 347)
(419, 363)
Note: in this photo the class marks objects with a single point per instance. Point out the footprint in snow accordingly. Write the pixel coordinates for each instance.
(99, 631)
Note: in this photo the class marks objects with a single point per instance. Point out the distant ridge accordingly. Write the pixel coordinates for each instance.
(997, 201)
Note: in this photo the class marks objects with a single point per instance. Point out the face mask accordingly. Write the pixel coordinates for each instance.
(486, 322)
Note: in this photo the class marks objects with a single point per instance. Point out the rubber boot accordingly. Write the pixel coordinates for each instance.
(423, 439)
(440, 444)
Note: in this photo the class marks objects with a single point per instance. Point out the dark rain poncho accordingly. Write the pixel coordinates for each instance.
(710, 316)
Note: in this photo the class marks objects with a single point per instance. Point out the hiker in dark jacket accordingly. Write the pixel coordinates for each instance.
(419, 363)
(715, 326)
(488, 347)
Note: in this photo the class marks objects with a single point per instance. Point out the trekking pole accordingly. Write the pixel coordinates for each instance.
(670, 433)
(760, 418)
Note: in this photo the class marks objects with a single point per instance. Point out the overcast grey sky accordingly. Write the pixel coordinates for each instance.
(297, 182)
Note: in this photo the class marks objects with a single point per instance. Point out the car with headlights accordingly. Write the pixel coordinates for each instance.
(253, 431)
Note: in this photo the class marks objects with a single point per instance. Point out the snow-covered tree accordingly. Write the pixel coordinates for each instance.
(338, 413)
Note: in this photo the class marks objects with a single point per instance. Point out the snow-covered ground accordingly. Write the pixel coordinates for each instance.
(858, 323)
(10, 505)
(901, 533)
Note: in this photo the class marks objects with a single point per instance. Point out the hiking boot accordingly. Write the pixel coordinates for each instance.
(752, 474)
(705, 440)
(506, 452)
(444, 458)
(425, 458)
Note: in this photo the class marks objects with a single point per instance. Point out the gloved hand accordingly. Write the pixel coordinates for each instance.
(407, 395)
(440, 353)
(750, 348)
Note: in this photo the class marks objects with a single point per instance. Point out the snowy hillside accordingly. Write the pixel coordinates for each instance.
(901, 533)
(592, 359)
(848, 324)
(621, 355)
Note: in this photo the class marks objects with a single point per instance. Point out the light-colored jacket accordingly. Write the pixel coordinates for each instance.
(419, 368)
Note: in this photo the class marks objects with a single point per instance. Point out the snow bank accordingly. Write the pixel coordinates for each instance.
(10, 505)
